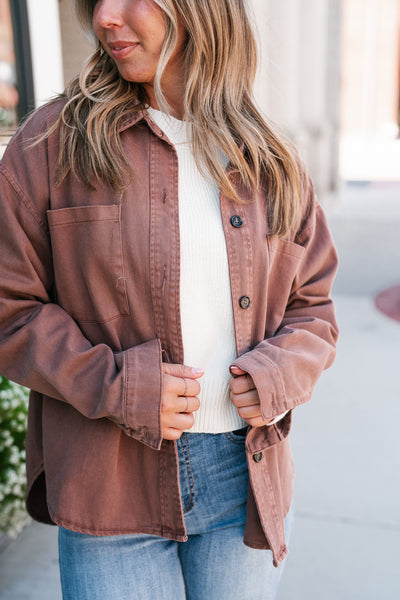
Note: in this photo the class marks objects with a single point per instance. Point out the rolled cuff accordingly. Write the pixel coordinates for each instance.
(142, 393)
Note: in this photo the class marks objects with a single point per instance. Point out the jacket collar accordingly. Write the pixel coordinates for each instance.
(142, 115)
(131, 119)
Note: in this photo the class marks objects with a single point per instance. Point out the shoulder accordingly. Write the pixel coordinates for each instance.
(30, 159)
(45, 115)
(40, 121)
(29, 145)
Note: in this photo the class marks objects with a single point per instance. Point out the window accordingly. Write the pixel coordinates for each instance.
(16, 84)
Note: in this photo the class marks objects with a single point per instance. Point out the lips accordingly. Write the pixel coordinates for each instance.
(120, 49)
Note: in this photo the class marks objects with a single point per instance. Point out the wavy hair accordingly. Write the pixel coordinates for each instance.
(220, 65)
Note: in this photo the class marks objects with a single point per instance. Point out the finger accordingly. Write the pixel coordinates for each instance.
(241, 384)
(176, 386)
(182, 371)
(189, 404)
(192, 387)
(250, 412)
(235, 370)
(183, 379)
(246, 399)
(255, 422)
(253, 418)
(180, 421)
(171, 434)
(171, 404)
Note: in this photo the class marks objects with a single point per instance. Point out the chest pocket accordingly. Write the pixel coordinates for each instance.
(88, 262)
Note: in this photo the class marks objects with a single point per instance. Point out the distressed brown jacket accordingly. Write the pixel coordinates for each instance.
(89, 308)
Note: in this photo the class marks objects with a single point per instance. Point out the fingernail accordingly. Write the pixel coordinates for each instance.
(234, 368)
(198, 371)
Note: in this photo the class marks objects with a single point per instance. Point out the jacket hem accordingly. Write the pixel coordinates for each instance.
(158, 531)
(36, 514)
(276, 559)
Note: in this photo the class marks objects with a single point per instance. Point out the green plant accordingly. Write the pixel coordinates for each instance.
(13, 414)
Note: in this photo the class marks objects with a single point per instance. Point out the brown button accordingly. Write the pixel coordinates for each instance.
(257, 457)
(236, 221)
(244, 302)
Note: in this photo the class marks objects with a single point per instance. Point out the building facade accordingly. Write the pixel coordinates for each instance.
(310, 60)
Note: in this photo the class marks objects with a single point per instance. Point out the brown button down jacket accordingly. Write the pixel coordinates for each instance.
(89, 308)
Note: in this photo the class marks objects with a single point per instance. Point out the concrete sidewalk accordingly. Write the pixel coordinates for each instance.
(345, 441)
(29, 566)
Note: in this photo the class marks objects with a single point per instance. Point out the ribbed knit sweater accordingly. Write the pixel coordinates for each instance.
(205, 295)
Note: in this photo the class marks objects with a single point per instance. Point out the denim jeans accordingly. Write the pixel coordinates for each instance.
(214, 564)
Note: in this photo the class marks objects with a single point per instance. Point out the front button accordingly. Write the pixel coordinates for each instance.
(257, 457)
(236, 221)
(244, 302)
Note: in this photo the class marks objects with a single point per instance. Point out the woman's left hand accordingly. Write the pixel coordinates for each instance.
(245, 397)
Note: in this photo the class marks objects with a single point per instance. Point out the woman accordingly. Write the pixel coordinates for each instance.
(165, 280)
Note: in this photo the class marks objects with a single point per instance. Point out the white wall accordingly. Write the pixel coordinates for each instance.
(298, 83)
(75, 43)
(44, 30)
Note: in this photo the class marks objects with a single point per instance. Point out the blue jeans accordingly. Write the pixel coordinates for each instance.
(214, 564)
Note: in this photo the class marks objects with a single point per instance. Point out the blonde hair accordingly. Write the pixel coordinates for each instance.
(220, 65)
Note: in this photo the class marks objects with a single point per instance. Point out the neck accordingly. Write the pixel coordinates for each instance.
(173, 90)
(175, 110)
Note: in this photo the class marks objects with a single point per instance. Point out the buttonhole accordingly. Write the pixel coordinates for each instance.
(164, 278)
(119, 280)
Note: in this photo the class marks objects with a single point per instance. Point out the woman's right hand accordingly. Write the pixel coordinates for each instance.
(179, 399)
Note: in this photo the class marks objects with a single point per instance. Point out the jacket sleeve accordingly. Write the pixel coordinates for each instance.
(41, 346)
(286, 366)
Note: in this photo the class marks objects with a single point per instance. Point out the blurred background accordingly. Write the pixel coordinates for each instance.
(329, 77)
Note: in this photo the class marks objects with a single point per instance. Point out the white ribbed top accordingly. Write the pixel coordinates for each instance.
(205, 295)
